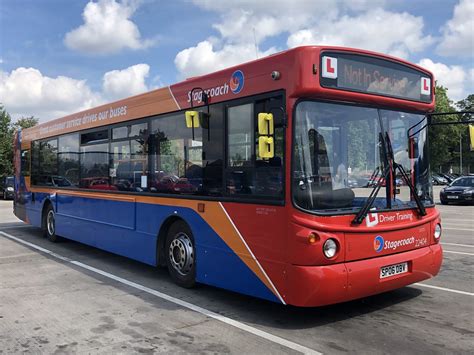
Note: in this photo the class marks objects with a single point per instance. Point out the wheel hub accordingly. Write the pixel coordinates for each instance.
(50, 222)
(181, 254)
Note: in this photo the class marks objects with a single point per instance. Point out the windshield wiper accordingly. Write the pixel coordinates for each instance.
(373, 194)
(413, 190)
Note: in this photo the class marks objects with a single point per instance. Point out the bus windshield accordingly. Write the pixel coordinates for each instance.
(339, 157)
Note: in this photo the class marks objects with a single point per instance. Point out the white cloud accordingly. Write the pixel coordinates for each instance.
(107, 29)
(453, 77)
(458, 32)
(373, 30)
(240, 20)
(359, 23)
(204, 58)
(118, 84)
(27, 92)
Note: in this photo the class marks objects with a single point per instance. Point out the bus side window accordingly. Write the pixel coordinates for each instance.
(25, 162)
(246, 173)
(48, 161)
(269, 172)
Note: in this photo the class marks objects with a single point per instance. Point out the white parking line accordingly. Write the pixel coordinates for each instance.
(206, 312)
(8, 226)
(459, 229)
(459, 245)
(457, 252)
(445, 289)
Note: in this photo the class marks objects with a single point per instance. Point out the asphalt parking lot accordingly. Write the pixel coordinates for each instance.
(71, 298)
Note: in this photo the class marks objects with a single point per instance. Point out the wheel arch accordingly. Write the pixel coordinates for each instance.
(161, 238)
(47, 202)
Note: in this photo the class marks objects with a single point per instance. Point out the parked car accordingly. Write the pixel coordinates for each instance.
(183, 186)
(97, 183)
(438, 179)
(448, 177)
(6, 188)
(460, 190)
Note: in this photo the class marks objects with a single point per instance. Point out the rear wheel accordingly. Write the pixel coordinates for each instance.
(49, 230)
(181, 254)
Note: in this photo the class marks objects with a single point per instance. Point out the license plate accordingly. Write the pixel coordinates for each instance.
(393, 270)
(453, 197)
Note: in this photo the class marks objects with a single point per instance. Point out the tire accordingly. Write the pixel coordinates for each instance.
(444, 202)
(180, 254)
(49, 225)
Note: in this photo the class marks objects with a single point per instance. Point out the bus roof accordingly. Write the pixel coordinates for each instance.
(297, 68)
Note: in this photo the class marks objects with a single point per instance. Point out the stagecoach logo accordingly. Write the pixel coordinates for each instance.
(378, 243)
(236, 84)
(237, 81)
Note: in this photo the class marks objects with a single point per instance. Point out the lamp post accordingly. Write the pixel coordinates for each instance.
(460, 153)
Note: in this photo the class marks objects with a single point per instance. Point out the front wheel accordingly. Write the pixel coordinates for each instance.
(50, 225)
(181, 254)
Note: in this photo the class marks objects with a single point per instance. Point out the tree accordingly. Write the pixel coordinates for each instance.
(7, 130)
(444, 140)
(25, 122)
(468, 156)
(6, 143)
(467, 104)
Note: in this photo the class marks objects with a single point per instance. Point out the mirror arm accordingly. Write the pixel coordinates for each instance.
(283, 112)
(205, 100)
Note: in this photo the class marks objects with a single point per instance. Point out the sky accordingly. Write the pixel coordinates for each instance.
(62, 56)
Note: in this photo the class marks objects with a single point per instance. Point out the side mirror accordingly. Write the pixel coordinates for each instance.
(204, 119)
(192, 119)
(265, 123)
(266, 147)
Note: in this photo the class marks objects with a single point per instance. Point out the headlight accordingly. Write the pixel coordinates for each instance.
(437, 232)
(330, 248)
(9, 188)
(468, 192)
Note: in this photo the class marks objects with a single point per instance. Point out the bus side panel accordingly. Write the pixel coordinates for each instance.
(130, 229)
(34, 207)
(216, 263)
(106, 224)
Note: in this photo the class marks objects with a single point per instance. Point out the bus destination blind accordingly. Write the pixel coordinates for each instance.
(374, 76)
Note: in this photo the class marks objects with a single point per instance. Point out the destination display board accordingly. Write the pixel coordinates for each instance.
(374, 76)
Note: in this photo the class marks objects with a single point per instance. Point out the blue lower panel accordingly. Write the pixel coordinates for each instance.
(130, 229)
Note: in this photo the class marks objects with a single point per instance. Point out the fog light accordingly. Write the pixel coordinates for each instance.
(313, 238)
(437, 232)
(330, 248)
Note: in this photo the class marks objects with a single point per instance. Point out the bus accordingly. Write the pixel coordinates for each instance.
(301, 178)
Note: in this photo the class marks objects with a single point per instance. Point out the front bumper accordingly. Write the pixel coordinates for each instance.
(310, 286)
(8, 194)
(450, 197)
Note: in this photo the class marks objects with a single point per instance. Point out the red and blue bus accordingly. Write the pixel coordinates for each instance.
(301, 178)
